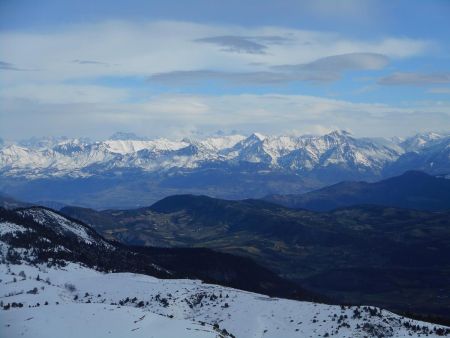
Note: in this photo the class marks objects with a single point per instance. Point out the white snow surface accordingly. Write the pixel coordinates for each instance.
(97, 321)
(85, 303)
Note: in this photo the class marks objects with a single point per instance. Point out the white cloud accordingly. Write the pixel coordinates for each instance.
(342, 62)
(172, 115)
(47, 96)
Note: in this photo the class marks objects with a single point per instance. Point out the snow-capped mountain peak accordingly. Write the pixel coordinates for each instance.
(420, 141)
(133, 146)
(258, 136)
(296, 154)
(222, 142)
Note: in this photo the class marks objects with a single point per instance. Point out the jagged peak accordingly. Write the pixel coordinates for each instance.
(257, 136)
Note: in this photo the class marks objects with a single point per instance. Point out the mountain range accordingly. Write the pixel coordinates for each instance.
(104, 174)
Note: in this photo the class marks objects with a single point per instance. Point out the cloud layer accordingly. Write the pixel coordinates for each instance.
(140, 49)
(76, 80)
(178, 115)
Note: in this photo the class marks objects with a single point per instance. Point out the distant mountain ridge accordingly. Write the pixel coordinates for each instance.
(413, 190)
(127, 171)
(80, 157)
(8, 202)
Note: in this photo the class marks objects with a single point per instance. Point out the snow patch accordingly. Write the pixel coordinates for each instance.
(7, 228)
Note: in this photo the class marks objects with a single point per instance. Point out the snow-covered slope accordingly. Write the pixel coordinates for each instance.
(59, 157)
(38, 235)
(97, 321)
(420, 141)
(61, 225)
(43, 302)
(429, 152)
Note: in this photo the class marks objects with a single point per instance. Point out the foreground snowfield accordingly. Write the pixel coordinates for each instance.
(96, 320)
(82, 302)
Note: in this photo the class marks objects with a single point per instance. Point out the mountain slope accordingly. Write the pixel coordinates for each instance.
(365, 254)
(87, 303)
(431, 154)
(37, 234)
(413, 189)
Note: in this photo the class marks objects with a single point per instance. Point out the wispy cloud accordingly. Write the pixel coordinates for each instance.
(239, 78)
(236, 44)
(89, 62)
(326, 69)
(341, 63)
(415, 79)
(244, 44)
(9, 66)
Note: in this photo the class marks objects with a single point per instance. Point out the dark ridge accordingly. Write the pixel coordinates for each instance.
(412, 190)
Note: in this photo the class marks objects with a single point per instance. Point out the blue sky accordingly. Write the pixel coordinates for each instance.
(177, 68)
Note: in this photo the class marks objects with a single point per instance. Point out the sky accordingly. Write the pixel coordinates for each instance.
(183, 68)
